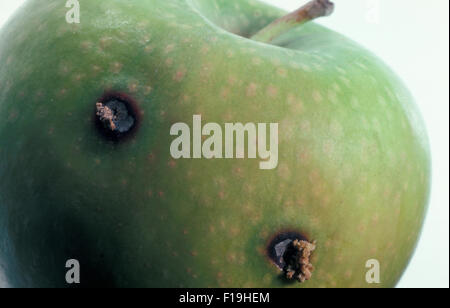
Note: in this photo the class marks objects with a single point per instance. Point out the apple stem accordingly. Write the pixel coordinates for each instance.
(310, 11)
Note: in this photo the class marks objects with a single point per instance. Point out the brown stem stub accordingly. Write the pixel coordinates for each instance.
(318, 8)
(297, 260)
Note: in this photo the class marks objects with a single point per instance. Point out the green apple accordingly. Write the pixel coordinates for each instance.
(86, 171)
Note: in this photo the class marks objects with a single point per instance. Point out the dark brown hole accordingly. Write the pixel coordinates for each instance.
(278, 245)
(117, 116)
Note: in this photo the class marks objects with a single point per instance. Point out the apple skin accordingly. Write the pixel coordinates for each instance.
(354, 164)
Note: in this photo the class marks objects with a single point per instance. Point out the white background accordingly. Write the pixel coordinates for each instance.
(412, 37)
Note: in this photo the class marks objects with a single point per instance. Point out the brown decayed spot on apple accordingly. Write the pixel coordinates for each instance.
(117, 116)
(290, 251)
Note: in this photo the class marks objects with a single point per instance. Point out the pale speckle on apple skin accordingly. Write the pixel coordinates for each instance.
(180, 74)
(149, 48)
(64, 69)
(256, 61)
(282, 72)
(341, 71)
(61, 92)
(272, 91)
(332, 96)
(354, 102)
(306, 68)
(382, 101)
(252, 89)
(362, 65)
(336, 129)
(116, 67)
(345, 80)
(294, 65)
(169, 62)
(148, 90)
(133, 87)
(336, 87)
(205, 49)
(169, 48)
(317, 96)
(376, 125)
(96, 69)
